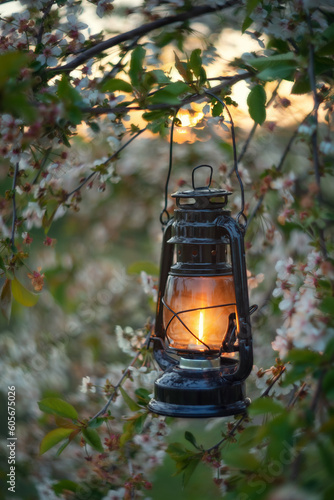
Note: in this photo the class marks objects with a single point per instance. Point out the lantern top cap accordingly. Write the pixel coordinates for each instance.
(202, 191)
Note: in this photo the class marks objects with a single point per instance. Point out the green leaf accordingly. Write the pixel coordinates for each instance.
(170, 93)
(136, 65)
(147, 267)
(251, 5)
(139, 423)
(116, 84)
(94, 126)
(52, 438)
(282, 71)
(57, 406)
(143, 396)
(128, 431)
(66, 92)
(328, 384)
(49, 214)
(11, 64)
(129, 401)
(93, 439)
(327, 305)
(65, 485)
(190, 469)
(62, 448)
(22, 295)
(265, 62)
(237, 457)
(177, 451)
(304, 357)
(246, 24)
(265, 405)
(276, 66)
(155, 115)
(301, 85)
(191, 438)
(256, 101)
(217, 109)
(6, 299)
(195, 62)
(97, 422)
(160, 76)
(182, 69)
(71, 99)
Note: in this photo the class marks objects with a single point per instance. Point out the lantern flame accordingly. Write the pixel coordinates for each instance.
(200, 325)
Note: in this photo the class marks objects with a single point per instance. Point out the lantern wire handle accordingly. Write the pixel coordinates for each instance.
(241, 214)
(164, 215)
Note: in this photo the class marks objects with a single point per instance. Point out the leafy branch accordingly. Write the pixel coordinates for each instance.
(228, 82)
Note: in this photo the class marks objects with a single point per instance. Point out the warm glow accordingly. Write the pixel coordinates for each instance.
(209, 324)
(200, 325)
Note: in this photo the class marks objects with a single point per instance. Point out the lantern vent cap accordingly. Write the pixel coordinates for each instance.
(204, 192)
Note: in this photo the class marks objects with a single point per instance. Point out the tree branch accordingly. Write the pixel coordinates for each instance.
(242, 418)
(139, 32)
(119, 383)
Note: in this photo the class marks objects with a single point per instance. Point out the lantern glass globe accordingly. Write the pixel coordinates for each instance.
(204, 305)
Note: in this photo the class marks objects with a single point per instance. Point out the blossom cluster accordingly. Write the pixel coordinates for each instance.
(297, 287)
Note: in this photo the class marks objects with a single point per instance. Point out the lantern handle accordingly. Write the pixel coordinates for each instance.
(193, 177)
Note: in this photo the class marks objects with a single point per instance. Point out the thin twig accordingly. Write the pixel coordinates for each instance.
(123, 377)
(242, 418)
(12, 238)
(112, 157)
(273, 382)
(317, 393)
(278, 169)
(139, 32)
(45, 159)
(296, 395)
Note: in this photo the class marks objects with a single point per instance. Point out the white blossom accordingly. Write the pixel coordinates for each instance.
(86, 385)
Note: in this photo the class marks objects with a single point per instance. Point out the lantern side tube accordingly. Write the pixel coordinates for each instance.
(232, 229)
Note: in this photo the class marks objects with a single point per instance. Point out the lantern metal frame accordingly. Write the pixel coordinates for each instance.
(203, 384)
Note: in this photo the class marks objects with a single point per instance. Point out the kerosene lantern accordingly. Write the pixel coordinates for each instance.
(202, 337)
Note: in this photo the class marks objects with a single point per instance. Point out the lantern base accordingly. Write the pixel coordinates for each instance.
(196, 393)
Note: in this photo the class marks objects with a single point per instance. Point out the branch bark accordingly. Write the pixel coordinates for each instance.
(141, 31)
